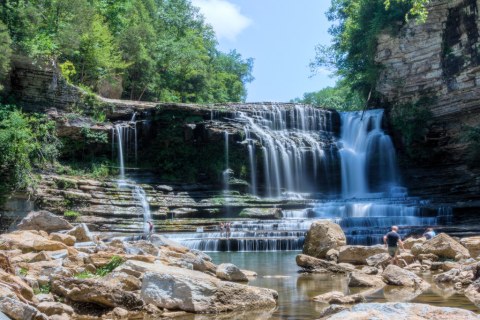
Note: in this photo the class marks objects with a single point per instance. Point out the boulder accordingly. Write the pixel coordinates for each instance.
(18, 310)
(193, 291)
(326, 297)
(323, 236)
(28, 241)
(312, 264)
(401, 294)
(122, 281)
(359, 254)
(410, 242)
(370, 270)
(378, 260)
(81, 233)
(443, 246)
(51, 308)
(261, 213)
(402, 311)
(397, 276)
(64, 238)
(472, 244)
(332, 255)
(473, 292)
(454, 276)
(43, 220)
(230, 272)
(96, 292)
(20, 287)
(359, 279)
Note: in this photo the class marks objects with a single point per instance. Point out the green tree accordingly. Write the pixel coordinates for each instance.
(26, 143)
(6, 50)
(339, 97)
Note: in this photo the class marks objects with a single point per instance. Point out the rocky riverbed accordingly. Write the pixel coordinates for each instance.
(52, 270)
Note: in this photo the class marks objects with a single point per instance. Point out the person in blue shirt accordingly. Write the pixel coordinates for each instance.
(429, 234)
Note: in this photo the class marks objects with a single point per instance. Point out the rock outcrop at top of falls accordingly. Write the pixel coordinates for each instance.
(323, 236)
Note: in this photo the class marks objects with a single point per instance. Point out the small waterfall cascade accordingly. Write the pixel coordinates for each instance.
(297, 157)
(367, 155)
(293, 146)
(126, 140)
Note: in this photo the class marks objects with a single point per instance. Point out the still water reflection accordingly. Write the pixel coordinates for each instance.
(278, 271)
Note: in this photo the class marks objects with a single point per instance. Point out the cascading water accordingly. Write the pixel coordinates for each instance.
(357, 172)
(123, 131)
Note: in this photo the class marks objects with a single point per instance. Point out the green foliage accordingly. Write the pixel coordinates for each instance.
(142, 49)
(68, 70)
(110, 266)
(23, 272)
(471, 136)
(43, 289)
(339, 97)
(84, 275)
(418, 10)
(6, 52)
(71, 214)
(357, 24)
(26, 143)
(411, 121)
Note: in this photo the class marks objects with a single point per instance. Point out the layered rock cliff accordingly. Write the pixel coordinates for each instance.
(438, 60)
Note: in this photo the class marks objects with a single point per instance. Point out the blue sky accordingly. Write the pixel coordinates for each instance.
(280, 35)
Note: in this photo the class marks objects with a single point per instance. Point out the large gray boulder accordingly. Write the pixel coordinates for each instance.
(402, 311)
(323, 236)
(443, 246)
(397, 276)
(358, 254)
(230, 272)
(193, 291)
(43, 220)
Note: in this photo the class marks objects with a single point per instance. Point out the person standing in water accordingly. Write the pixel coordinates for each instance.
(150, 229)
(392, 241)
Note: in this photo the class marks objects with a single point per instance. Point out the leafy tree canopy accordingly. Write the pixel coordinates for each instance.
(141, 49)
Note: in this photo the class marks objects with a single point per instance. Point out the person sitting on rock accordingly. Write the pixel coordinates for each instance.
(429, 234)
(392, 241)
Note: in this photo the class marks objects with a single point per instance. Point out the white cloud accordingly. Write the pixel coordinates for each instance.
(224, 17)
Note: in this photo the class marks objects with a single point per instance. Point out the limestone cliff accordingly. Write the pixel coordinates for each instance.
(439, 59)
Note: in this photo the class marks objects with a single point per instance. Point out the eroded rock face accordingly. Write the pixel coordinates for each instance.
(193, 291)
(323, 236)
(43, 220)
(473, 292)
(359, 279)
(359, 254)
(397, 276)
(230, 272)
(402, 311)
(444, 247)
(472, 244)
(312, 264)
(29, 241)
(95, 291)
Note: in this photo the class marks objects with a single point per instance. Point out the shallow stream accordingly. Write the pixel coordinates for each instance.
(278, 271)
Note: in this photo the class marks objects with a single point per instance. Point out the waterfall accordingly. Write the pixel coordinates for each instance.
(119, 129)
(124, 131)
(367, 155)
(298, 153)
(292, 147)
(140, 195)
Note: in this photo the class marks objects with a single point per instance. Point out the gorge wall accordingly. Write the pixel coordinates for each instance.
(437, 61)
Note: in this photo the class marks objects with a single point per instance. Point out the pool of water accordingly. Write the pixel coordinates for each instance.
(278, 271)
